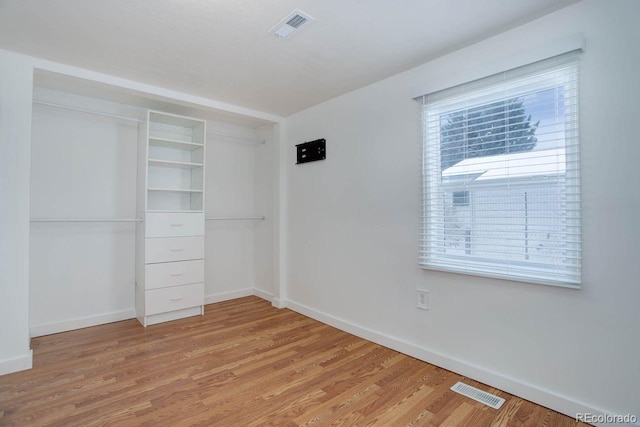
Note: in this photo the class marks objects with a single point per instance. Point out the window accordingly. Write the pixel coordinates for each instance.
(461, 198)
(501, 187)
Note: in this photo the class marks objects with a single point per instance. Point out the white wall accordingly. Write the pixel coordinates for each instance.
(230, 192)
(239, 183)
(16, 79)
(264, 205)
(82, 166)
(353, 229)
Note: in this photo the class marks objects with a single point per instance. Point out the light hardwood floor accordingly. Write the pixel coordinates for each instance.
(244, 363)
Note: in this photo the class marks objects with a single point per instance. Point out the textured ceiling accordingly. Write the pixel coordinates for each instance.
(220, 49)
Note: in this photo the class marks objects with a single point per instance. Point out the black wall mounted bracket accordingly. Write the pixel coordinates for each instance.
(311, 151)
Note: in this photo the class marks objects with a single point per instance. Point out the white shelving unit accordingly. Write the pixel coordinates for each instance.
(175, 163)
(170, 242)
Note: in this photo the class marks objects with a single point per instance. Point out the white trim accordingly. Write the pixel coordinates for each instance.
(152, 91)
(283, 155)
(524, 57)
(169, 316)
(101, 319)
(226, 296)
(268, 296)
(16, 364)
(278, 303)
(534, 393)
(79, 323)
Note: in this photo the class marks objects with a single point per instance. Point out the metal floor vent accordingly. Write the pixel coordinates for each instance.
(478, 395)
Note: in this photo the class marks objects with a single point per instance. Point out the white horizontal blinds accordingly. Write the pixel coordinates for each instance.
(501, 175)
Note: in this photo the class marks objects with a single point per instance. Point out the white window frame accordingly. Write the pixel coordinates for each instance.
(484, 92)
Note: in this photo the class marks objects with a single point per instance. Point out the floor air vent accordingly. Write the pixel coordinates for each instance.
(478, 395)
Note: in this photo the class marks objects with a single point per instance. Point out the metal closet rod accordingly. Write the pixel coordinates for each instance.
(86, 219)
(131, 119)
(82, 110)
(242, 138)
(236, 218)
(229, 218)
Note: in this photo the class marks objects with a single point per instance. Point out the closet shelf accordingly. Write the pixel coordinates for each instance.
(174, 143)
(86, 219)
(135, 120)
(174, 190)
(174, 164)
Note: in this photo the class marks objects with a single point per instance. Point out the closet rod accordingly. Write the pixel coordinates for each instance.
(243, 138)
(86, 220)
(236, 218)
(131, 119)
(82, 110)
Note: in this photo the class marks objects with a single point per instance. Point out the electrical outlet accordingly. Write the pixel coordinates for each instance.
(423, 299)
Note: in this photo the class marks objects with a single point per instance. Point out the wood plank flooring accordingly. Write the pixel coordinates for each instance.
(244, 363)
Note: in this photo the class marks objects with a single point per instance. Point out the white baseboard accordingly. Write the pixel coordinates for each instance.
(226, 296)
(539, 395)
(79, 323)
(168, 316)
(16, 364)
(85, 322)
(263, 294)
(279, 303)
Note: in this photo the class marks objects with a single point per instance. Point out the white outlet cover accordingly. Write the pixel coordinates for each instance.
(422, 299)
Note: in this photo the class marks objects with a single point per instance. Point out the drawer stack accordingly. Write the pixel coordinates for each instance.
(174, 266)
(170, 241)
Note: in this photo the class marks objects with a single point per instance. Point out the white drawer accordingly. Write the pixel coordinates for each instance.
(173, 273)
(169, 249)
(173, 298)
(174, 224)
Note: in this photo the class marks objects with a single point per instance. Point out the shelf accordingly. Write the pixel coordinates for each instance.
(174, 143)
(174, 190)
(174, 120)
(171, 192)
(173, 164)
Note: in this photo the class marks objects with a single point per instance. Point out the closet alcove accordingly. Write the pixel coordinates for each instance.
(83, 191)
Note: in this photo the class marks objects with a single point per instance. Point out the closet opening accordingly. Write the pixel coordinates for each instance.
(84, 174)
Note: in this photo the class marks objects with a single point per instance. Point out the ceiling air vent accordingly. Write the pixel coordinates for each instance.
(291, 23)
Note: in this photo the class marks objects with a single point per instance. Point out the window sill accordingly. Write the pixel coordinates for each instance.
(488, 274)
